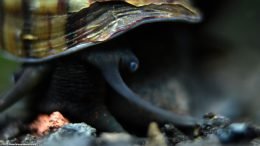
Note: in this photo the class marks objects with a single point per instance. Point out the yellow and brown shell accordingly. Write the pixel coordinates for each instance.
(36, 30)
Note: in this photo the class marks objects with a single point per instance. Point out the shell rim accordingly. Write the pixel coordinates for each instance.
(82, 46)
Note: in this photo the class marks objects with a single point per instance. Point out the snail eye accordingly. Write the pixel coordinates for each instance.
(128, 60)
(133, 66)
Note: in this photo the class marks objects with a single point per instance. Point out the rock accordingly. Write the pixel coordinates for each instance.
(79, 134)
(155, 137)
(46, 123)
(211, 140)
(173, 135)
(238, 133)
(29, 139)
(115, 139)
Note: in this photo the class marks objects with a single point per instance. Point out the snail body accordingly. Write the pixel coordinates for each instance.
(59, 44)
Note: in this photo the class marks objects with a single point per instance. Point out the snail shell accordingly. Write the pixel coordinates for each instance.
(38, 30)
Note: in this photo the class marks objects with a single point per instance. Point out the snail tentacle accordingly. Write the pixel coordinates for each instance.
(110, 70)
(30, 78)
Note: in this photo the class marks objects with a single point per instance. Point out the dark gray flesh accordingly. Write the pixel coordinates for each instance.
(76, 87)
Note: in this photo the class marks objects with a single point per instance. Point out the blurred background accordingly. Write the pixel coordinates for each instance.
(218, 59)
(228, 55)
(7, 67)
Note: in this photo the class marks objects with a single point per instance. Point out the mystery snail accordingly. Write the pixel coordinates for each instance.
(57, 43)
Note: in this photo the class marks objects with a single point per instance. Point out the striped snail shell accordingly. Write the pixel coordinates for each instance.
(38, 30)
